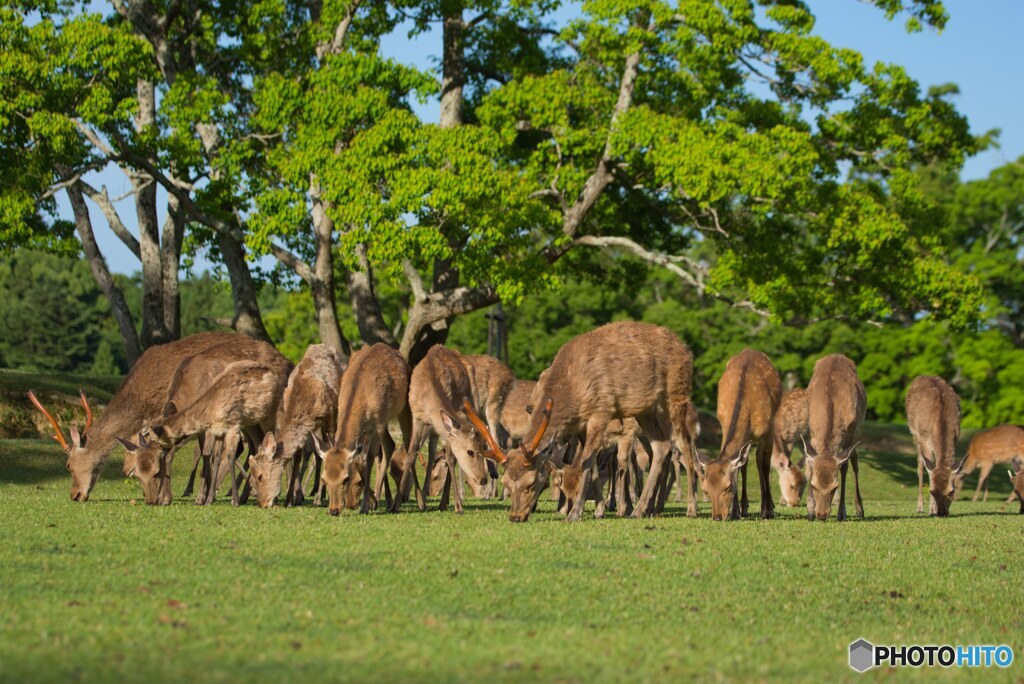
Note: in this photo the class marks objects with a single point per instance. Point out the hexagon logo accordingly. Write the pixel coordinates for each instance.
(862, 655)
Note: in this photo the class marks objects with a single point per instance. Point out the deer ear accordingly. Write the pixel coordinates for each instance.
(845, 455)
(929, 464)
(128, 445)
(740, 459)
(958, 469)
(1018, 463)
(170, 408)
(557, 459)
(450, 424)
(269, 444)
(321, 447)
(702, 458)
(809, 452)
(76, 438)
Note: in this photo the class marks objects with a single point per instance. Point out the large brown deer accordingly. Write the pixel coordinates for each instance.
(439, 393)
(374, 391)
(988, 448)
(837, 403)
(792, 422)
(620, 370)
(1017, 480)
(309, 407)
(245, 394)
(141, 397)
(933, 416)
(749, 393)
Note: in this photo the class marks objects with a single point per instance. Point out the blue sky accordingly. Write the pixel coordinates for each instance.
(981, 50)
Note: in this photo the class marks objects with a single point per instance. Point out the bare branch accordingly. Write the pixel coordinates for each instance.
(293, 262)
(419, 291)
(335, 46)
(102, 200)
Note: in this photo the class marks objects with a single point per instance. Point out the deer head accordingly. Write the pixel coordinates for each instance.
(469, 446)
(943, 485)
(720, 480)
(1017, 478)
(342, 473)
(791, 480)
(524, 477)
(266, 468)
(149, 460)
(824, 480)
(83, 465)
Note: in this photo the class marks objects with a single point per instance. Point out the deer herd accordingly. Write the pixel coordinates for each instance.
(610, 421)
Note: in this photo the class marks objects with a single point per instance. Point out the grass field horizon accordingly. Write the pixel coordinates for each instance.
(108, 590)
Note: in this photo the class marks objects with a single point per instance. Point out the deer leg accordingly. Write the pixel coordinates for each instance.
(668, 478)
(419, 433)
(744, 504)
(810, 490)
(920, 482)
(676, 463)
(207, 476)
(764, 474)
(387, 451)
(231, 445)
(857, 502)
(456, 479)
(197, 454)
(841, 515)
(371, 456)
(982, 476)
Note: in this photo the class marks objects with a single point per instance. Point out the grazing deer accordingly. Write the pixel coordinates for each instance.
(141, 396)
(837, 403)
(988, 448)
(309, 407)
(490, 381)
(791, 423)
(439, 393)
(373, 392)
(748, 396)
(620, 370)
(245, 394)
(1017, 479)
(933, 415)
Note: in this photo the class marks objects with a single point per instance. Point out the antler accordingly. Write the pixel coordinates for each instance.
(88, 411)
(496, 451)
(542, 429)
(59, 436)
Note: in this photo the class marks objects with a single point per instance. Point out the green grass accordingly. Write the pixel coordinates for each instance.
(110, 591)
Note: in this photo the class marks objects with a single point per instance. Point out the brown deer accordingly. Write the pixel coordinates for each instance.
(988, 448)
(141, 396)
(791, 423)
(837, 403)
(373, 392)
(620, 370)
(749, 393)
(245, 394)
(515, 420)
(439, 393)
(1017, 479)
(309, 407)
(490, 382)
(933, 416)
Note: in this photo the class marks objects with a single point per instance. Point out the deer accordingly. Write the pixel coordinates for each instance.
(790, 424)
(374, 391)
(490, 382)
(309, 407)
(140, 397)
(837, 403)
(244, 394)
(1017, 480)
(621, 370)
(988, 448)
(933, 416)
(515, 420)
(440, 398)
(749, 393)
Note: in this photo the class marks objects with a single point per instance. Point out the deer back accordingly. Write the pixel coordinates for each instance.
(933, 416)
(749, 393)
(514, 417)
(373, 390)
(995, 445)
(310, 401)
(490, 380)
(792, 418)
(837, 402)
(620, 370)
(439, 382)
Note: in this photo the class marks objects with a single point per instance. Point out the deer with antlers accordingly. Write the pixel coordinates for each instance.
(791, 423)
(837, 403)
(620, 370)
(988, 448)
(440, 398)
(373, 392)
(933, 416)
(141, 396)
(749, 393)
(309, 407)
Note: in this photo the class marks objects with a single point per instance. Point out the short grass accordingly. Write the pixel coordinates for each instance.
(112, 591)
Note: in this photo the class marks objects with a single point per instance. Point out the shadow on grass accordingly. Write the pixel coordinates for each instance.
(35, 461)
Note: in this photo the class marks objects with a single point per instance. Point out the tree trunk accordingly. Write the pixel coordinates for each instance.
(365, 306)
(153, 331)
(322, 285)
(247, 320)
(170, 261)
(98, 265)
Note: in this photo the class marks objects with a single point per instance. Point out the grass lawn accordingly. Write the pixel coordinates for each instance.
(112, 591)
